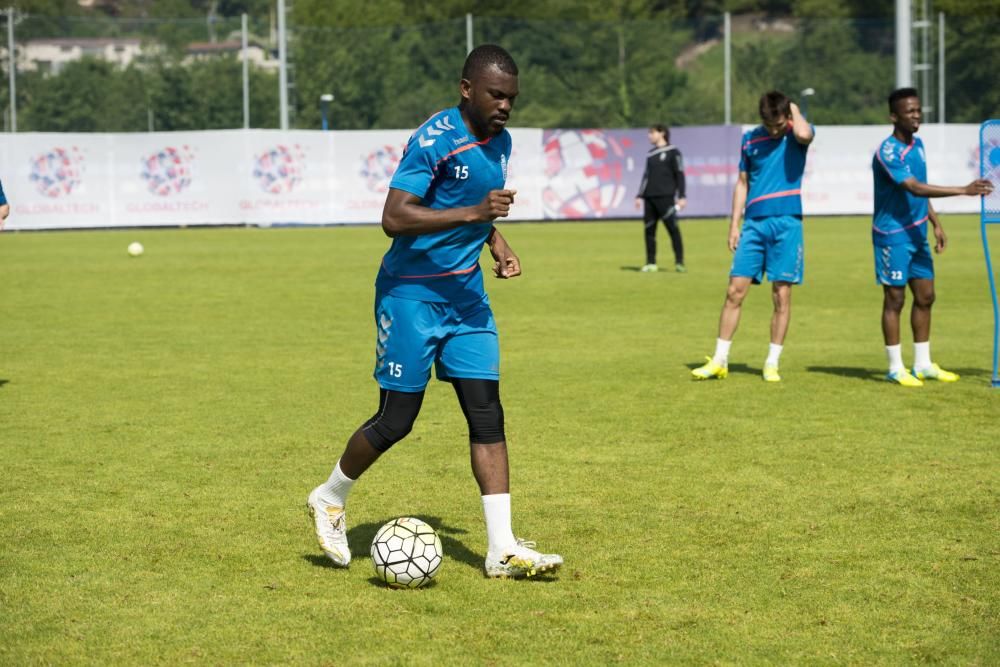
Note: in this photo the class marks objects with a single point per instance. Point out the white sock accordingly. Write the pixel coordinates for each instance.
(335, 491)
(722, 351)
(922, 355)
(895, 354)
(773, 354)
(496, 510)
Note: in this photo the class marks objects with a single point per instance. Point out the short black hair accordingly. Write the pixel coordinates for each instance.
(662, 129)
(900, 94)
(774, 104)
(485, 56)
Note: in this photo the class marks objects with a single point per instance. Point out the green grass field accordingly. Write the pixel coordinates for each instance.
(163, 418)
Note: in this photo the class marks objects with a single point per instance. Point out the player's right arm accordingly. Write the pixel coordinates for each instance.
(405, 215)
(4, 212)
(975, 188)
(739, 203)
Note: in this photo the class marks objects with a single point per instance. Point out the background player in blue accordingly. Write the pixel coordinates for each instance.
(768, 195)
(4, 207)
(431, 309)
(899, 234)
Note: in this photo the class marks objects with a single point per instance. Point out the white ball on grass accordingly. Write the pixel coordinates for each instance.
(135, 249)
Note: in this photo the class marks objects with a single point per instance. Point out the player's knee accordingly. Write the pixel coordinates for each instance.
(480, 400)
(394, 420)
(894, 300)
(735, 294)
(924, 298)
(486, 423)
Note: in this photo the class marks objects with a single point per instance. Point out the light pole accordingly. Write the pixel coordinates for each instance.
(324, 108)
(805, 95)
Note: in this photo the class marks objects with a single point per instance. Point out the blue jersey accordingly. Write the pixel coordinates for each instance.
(774, 170)
(899, 217)
(3, 197)
(447, 167)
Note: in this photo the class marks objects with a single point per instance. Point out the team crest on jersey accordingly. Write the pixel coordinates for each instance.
(503, 166)
(663, 157)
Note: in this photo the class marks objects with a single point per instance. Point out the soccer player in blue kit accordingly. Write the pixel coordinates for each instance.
(899, 234)
(768, 195)
(431, 308)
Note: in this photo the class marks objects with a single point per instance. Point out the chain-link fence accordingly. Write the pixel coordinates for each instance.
(130, 75)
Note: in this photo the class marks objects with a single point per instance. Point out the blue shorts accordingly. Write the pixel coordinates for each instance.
(772, 244)
(461, 342)
(896, 265)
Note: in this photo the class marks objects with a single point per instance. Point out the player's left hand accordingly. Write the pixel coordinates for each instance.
(941, 239)
(681, 203)
(507, 264)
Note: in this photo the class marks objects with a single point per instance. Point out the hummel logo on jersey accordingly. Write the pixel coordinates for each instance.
(461, 140)
(439, 127)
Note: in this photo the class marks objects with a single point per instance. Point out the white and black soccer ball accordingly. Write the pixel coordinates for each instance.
(406, 553)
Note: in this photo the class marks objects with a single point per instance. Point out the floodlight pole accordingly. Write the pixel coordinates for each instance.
(12, 67)
(246, 74)
(469, 41)
(282, 67)
(904, 52)
(727, 75)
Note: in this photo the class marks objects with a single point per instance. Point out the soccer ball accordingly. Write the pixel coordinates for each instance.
(406, 553)
(135, 249)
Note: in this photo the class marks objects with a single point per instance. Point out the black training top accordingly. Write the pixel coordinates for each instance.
(664, 175)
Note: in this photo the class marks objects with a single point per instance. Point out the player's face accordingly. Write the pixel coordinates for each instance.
(489, 99)
(777, 127)
(655, 137)
(908, 114)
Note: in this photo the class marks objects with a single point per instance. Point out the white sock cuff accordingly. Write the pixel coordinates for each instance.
(339, 474)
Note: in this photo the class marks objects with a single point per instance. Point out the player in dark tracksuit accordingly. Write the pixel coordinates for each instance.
(661, 194)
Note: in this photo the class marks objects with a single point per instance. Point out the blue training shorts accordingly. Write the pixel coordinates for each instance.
(772, 244)
(460, 341)
(896, 265)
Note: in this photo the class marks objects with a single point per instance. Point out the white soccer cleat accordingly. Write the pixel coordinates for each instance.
(650, 268)
(521, 561)
(331, 529)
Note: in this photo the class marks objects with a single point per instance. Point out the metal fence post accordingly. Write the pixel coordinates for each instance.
(246, 74)
(283, 67)
(941, 75)
(12, 67)
(728, 74)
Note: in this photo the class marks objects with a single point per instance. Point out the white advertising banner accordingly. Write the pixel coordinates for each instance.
(58, 180)
(839, 179)
(267, 177)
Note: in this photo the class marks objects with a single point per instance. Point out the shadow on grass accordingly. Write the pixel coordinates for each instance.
(3, 382)
(733, 368)
(361, 536)
(850, 372)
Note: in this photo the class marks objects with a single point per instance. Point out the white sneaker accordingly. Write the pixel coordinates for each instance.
(650, 268)
(331, 529)
(521, 561)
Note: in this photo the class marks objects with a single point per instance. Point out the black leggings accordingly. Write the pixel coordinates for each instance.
(398, 410)
(658, 208)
